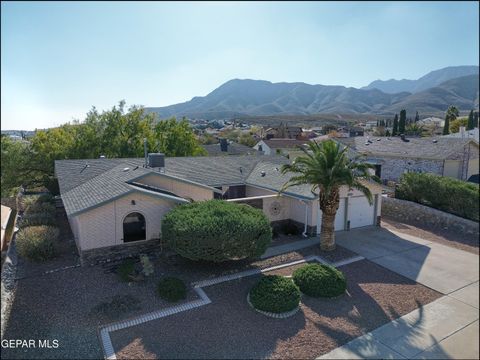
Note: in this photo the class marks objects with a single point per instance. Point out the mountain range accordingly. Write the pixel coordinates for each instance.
(431, 94)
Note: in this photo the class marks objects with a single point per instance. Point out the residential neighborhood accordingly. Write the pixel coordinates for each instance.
(177, 187)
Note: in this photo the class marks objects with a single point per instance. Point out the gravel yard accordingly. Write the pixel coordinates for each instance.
(229, 328)
(464, 242)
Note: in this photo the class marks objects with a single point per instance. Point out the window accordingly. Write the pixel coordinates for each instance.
(134, 227)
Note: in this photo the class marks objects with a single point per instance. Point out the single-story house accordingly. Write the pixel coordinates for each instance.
(225, 147)
(279, 146)
(393, 156)
(112, 204)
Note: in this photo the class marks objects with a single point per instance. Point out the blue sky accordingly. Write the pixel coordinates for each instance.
(59, 59)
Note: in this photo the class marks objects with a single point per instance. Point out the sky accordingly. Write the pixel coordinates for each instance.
(58, 59)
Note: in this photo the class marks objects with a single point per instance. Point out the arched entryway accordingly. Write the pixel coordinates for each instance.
(134, 227)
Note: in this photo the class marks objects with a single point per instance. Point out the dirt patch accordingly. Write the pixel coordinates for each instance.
(456, 240)
(229, 328)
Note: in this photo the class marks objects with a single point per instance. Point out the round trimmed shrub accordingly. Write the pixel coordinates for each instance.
(37, 243)
(275, 293)
(216, 230)
(320, 280)
(172, 289)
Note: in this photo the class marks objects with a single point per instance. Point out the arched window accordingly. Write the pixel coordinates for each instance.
(134, 227)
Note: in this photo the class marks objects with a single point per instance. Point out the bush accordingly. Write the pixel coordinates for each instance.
(37, 219)
(443, 193)
(320, 280)
(147, 266)
(290, 229)
(274, 293)
(126, 269)
(40, 208)
(37, 243)
(217, 230)
(172, 289)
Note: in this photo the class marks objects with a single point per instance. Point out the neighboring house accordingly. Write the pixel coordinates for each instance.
(280, 146)
(283, 132)
(225, 147)
(453, 157)
(113, 204)
(465, 134)
(432, 121)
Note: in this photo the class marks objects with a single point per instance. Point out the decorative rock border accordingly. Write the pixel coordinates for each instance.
(272, 314)
(204, 300)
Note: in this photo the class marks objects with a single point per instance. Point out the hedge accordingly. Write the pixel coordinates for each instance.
(318, 280)
(217, 230)
(454, 196)
(275, 293)
(37, 243)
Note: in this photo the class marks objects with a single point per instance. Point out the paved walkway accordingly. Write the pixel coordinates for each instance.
(445, 328)
(292, 246)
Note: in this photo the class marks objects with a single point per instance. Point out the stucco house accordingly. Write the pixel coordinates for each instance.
(453, 157)
(115, 206)
(280, 146)
(225, 147)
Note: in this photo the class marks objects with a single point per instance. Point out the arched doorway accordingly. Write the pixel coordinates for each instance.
(134, 227)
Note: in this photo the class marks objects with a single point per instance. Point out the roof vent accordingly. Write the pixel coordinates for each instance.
(263, 173)
(402, 136)
(126, 169)
(367, 143)
(434, 141)
(156, 160)
(102, 156)
(379, 139)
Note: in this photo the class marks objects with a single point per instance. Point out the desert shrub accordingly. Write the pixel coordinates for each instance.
(172, 289)
(274, 293)
(37, 243)
(116, 307)
(29, 200)
(126, 269)
(147, 266)
(217, 230)
(443, 193)
(320, 280)
(37, 219)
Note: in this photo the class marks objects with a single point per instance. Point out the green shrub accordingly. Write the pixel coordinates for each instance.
(37, 219)
(217, 230)
(41, 208)
(274, 293)
(37, 243)
(443, 193)
(320, 280)
(126, 269)
(172, 289)
(147, 266)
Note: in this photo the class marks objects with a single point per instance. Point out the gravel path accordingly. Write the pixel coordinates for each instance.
(468, 243)
(228, 328)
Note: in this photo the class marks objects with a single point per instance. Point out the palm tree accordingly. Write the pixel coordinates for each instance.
(327, 167)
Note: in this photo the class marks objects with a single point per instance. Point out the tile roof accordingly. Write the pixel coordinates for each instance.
(284, 143)
(233, 149)
(443, 148)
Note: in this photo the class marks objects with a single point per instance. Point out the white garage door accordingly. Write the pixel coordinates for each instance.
(339, 217)
(360, 213)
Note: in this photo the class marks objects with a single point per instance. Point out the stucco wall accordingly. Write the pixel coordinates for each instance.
(452, 168)
(103, 226)
(177, 187)
(393, 168)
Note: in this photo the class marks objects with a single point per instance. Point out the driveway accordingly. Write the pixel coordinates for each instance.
(437, 266)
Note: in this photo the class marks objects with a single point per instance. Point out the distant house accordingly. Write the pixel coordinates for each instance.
(465, 134)
(453, 157)
(283, 132)
(224, 147)
(115, 207)
(432, 121)
(279, 146)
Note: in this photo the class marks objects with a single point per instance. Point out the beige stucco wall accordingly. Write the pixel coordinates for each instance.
(472, 167)
(103, 226)
(177, 187)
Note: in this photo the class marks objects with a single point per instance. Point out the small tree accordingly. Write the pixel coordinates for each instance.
(395, 126)
(402, 122)
(417, 118)
(451, 115)
(470, 123)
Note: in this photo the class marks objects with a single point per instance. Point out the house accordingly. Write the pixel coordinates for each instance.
(115, 207)
(224, 147)
(279, 146)
(453, 157)
(465, 134)
(283, 132)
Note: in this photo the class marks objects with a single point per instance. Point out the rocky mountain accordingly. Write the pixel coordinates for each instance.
(432, 79)
(237, 98)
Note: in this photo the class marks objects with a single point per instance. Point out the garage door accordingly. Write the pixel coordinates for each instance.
(360, 213)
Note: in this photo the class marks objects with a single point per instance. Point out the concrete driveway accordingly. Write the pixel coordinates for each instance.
(437, 266)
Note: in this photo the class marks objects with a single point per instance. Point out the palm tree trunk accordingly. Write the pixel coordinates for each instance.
(327, 234)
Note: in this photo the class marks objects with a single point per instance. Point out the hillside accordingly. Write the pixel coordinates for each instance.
(430, 80)
(243, 98)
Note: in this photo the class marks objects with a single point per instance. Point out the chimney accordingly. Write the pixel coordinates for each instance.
(223, 145)
(462, 132)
